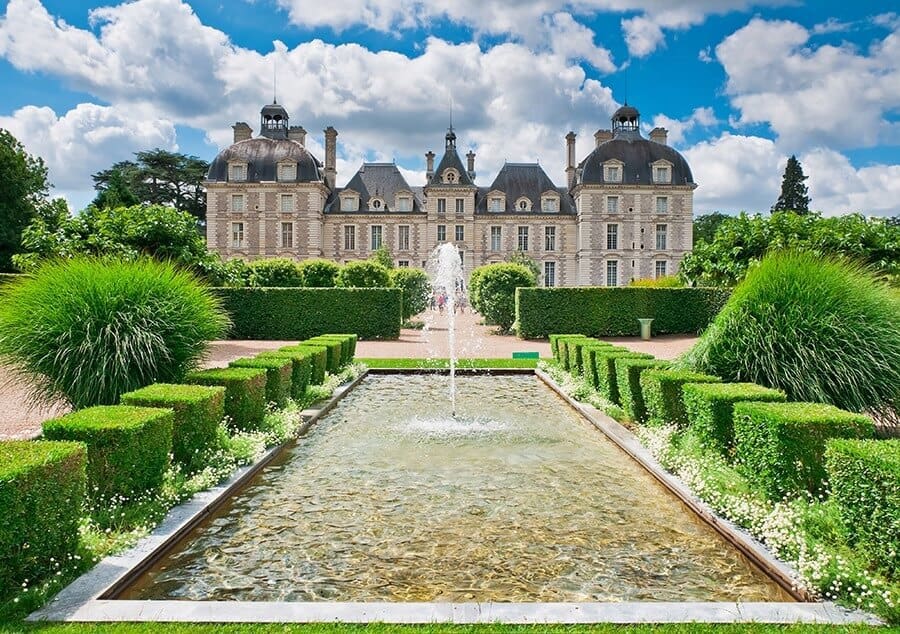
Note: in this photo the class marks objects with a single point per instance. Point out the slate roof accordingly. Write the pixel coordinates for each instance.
(523, 179)
(638, 154)
(450, 159)
(262, 155)
(377, 180)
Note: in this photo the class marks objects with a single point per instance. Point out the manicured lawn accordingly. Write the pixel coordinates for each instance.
(439, 364)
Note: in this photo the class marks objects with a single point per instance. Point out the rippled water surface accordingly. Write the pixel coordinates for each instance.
(520, 499)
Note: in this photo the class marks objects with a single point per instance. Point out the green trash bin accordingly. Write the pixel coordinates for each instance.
(645, 328)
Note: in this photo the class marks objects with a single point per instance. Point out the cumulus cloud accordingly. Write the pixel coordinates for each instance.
(700, 118)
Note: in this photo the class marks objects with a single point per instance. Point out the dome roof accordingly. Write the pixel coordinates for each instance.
(262, 156)
(626, 113)
(638, 155)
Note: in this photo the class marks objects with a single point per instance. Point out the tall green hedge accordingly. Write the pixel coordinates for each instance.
(301, 364)
(245, 393)
(301, 313)
(127, 447)
(42, 487)
(662, 391)
(865, 482)
(605, 368)
(628, 383)
(614, 311)
(781, 446)
(319, 360)
(279, 374)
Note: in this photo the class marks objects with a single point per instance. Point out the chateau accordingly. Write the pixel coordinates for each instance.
(624, 214)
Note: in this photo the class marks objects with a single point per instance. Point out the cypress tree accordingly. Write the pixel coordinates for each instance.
(794, 194)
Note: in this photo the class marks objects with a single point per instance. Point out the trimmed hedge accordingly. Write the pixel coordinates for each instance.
(864, 476)
(301, 368)
(127, 447)
(562, 347)
(575, 349)
(198, 411)
(782, 445)
(710, 409)
(662, 394)
(628, 383)
(245, 393)
(334, 349)
(279, 375)
(614, 311)
(352, 339)
(589, 359)
(346, 345)
(301, 313)
(319, 360)
(554, 340)
(605, 369)
(42, 487)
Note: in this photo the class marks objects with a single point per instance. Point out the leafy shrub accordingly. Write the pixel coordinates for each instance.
(819, 329)
(667, 281)
(575, 350)
(198, 410)
(496, 292)
(710, 410)
(865, 482)
(301, 368)
(245, 393)
(295, 314)
(275, 272)
(335, 352)
(562, 347)
(628, 384)
(351, 340)
(348, 345)
(782, 445)
(42, 487)
(319, 360)
(364, 274)
(554, 339)
(87, 331)
(279, 374)
(318, 273)
(614, 311)
(589, 359)
(662, 394)
(605, 369)
(127, 447)
(416, 289)
(474, 289)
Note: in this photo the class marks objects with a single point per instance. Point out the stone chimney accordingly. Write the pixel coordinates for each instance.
(602, 136)
(470, 158)
(570, 159)
(429, 165)
(660, 135)
(330, 156)
(242, 131)
(297, 133)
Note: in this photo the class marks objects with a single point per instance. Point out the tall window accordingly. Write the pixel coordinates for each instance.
(661, 175)
(375, 235)
(442, 233)
(460, 233)
(613, 175)
(662, 205)
(612, 273)
(550, 238)
(460, 206)
(550, 205)
(612, 237)
(237, 234)
(612, 204)
(349, 238)
(403, 238)
(661, 268)
(661, 241)
(523, 239)
(287, 203)
(496, 238)
(287, 172)
(549, 273)
(496, 204)
(442, 205)
(404, 203)
(287, 235)
(238, 172)
(237, 202)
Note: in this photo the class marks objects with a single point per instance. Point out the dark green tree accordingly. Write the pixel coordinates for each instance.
(23, 191)
(794, 194)
(116, 193)
(705, 226)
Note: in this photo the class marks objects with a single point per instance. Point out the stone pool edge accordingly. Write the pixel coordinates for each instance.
(84, 600)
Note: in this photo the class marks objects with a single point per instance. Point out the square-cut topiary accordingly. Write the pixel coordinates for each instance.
(782, 445)
(279, 373)
(245, 393)
(334, 349)
(352, 339)
(554, 340)
(319, 360)
(330, 339)
(662, 394)
(575, 348)
(864, 476)
(301, 368)
(127, 447)
(42, 486)
(605, 369)
(198, 411)
(589, 359)
(563, 349)
(710, 409)
(628, 383)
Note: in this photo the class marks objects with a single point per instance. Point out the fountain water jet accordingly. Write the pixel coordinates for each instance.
(445, 271)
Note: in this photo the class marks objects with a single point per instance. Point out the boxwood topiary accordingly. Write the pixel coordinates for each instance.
(346, 346)
(661, 390)
(335, 352)
(127, 447)
(710, 410)
(42, 488)
(864, 476)
(301, 368)
(574, 348)
(279, 374)
(198, 411)
(781, 446)
(589, 359)
(605, 369)
(628, 383)
(319, 360)
(562, 346)
(245, 393)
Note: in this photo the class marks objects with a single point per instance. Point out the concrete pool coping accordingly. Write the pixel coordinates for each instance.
(88, 598)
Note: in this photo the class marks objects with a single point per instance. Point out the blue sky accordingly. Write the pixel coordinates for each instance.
(740, 84)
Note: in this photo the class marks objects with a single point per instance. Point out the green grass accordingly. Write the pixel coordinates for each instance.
(441, 364)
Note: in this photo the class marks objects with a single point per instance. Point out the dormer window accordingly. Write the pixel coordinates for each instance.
(523, 204)
(549, 204)
(451, 177)
(237, 173)
(404, 203)
(662, 174)
(376, 204)
(287, 171)
(613, 174)
(495, 204)
(349, 203)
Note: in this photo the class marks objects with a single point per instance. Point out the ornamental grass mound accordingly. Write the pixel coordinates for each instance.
(86, 331)
(819, 329)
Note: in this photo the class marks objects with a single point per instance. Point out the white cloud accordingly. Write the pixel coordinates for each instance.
(700, 117)
(837, 187)
(573, 41)
(642, 35)
(831, 25)
(705, 55)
